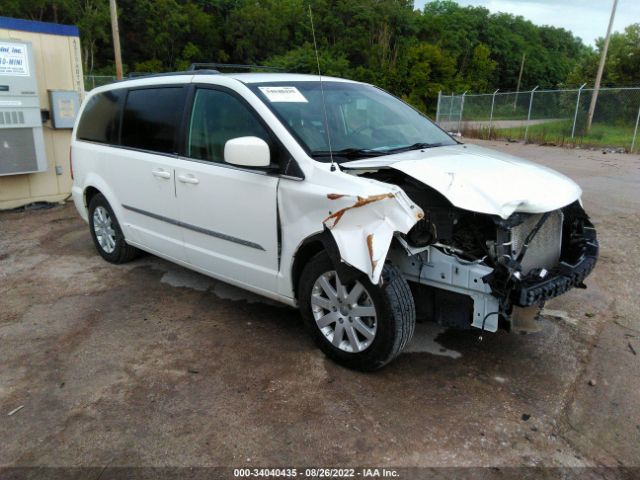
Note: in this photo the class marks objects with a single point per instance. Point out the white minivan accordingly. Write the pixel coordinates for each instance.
(331, 195)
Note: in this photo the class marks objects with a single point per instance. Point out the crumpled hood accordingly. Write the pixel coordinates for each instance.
(482, 180)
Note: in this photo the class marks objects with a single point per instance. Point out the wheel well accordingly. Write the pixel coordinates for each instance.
(89, 193)
(313, 245)
(307, 250)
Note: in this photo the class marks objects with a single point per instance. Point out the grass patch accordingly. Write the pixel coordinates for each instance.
(559, 133)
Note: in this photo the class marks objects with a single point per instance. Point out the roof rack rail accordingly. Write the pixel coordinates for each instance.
(216, 66)
(139, 74)
(136, 75)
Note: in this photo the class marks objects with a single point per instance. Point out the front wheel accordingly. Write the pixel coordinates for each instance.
(358, 324)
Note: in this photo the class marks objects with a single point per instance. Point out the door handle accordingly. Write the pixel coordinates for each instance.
(160, 173)
(188, 179)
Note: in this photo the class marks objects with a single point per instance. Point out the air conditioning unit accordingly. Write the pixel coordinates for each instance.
(21, 140)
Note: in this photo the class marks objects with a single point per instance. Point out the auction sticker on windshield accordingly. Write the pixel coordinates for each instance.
(283, 94)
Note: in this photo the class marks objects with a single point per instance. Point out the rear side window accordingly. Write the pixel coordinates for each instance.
(100, 121)
(152, 118)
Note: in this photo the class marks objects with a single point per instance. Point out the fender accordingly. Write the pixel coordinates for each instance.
(361, 215)
(370, 222)
(93, 180)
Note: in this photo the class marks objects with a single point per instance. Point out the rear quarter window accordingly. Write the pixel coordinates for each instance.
(152, 117)
(100, 121)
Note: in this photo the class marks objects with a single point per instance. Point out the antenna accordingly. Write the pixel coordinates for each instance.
(324, 105)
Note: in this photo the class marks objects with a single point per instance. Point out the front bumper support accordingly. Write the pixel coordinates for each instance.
(564, 278)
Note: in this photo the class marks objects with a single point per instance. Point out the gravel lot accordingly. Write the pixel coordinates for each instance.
(148, 364)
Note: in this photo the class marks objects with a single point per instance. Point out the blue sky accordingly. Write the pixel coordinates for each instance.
(588, 19)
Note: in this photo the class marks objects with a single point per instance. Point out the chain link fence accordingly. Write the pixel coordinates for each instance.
(93, 81)
(556, 117)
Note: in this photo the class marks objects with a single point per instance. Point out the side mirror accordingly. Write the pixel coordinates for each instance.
(247, 152)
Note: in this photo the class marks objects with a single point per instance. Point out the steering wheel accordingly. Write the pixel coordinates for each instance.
(360, 129)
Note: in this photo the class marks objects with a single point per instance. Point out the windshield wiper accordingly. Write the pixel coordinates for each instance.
(350, 153)
(415, 146)
(354, 153)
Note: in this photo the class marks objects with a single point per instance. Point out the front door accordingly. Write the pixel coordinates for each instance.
(228, 214)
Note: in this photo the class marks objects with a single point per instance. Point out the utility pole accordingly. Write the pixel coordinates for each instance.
(603, 58)
(519, 80)
(115, 32)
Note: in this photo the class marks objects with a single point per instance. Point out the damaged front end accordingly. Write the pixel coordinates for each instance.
(527, 271)
(484, 271)
(508, 268)
(465, 268)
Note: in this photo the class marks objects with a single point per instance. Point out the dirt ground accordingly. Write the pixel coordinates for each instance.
(148, 364)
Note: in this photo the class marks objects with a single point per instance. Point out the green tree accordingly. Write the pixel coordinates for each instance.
(622, 66)
(427, 71)
(479, 75)
(303, 60)
(93, 20)
(411, 53)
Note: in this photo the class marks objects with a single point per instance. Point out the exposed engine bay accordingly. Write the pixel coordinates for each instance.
(475, 269)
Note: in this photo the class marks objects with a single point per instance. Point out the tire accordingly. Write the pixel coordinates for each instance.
(394, 323)
(116, 249)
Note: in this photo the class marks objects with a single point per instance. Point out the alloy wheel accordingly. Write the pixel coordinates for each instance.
(103, 228)
(345, 314)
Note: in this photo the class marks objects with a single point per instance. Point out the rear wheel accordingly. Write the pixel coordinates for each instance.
(107, 234)
(358, 324)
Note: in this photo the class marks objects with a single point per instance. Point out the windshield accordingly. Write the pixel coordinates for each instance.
(363, 120)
